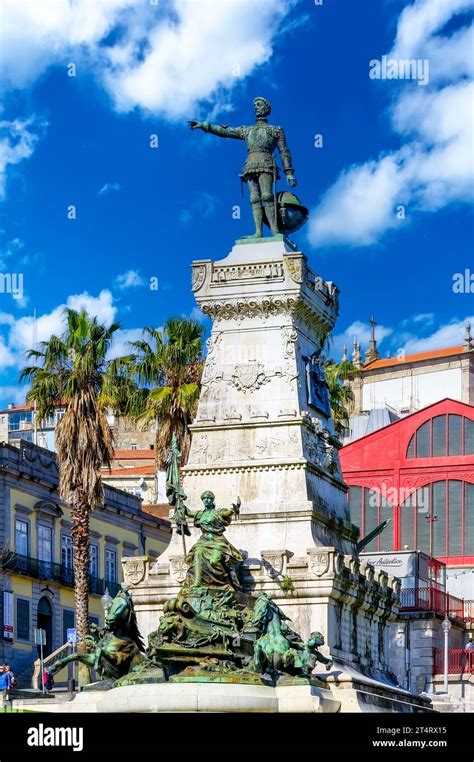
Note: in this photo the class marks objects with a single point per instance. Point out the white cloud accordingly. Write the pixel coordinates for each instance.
(120, 346)
(402, 337)
(449, 335)
(190, 58)
(419, 21)
(130, 279)
(108, 188)
(203, 207)
(7, 357)
(36, 35)
(434, 166)
(22, 331)
(10, 249)
(15, 394)
(18, 139)
(163, 58)
(197, 315)
(101, 306)
(362, 332)
(424, 317)
(170, 59)
(6, 319)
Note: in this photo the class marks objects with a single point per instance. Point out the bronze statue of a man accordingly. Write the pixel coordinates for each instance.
(260, 171)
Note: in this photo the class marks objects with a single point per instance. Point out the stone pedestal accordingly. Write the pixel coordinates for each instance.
(263, 428)
(344, 693)
(263, 432)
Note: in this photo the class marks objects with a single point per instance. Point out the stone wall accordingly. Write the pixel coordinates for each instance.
(412, 641)
(127, 433)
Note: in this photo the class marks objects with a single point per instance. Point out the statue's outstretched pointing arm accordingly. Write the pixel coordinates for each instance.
(221, 130)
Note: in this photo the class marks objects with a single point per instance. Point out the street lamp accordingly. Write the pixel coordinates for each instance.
(446, 625)
(106, 602)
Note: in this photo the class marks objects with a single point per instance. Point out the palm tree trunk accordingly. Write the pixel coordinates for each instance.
(80, 535)
(80, 541)
(157, 458)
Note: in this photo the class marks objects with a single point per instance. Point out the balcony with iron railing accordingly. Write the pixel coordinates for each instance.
(48, 570)
(460, 661)
(431, 598)
(469, 613)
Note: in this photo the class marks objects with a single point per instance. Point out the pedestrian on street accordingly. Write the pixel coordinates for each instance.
(48, 681)
(6, 685)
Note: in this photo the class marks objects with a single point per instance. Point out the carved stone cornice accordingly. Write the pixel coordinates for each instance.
(253, 467)
(263, 307)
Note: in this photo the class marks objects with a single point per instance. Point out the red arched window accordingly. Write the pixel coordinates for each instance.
(439, 519)
(441, 436)
(368, 508)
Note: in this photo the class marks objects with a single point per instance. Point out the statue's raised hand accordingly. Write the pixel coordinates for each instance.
(194, 124)
(291, 181)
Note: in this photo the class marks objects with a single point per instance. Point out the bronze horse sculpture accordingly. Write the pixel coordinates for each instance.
(114, 650)
(279, 648)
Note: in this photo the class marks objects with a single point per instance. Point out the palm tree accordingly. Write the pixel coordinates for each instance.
(74, 371)
(169, 365)
(341, 397)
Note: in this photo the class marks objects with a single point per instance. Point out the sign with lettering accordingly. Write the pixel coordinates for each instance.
(7, 615)
(396, 564)
(71, 635)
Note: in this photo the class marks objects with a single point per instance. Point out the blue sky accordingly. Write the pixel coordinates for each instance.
(390, 190)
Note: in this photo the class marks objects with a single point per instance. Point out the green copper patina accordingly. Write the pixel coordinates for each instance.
(282, 212)
(174, 490)
(212, 631)
(216, 631)
(116, 649)
(213, 561)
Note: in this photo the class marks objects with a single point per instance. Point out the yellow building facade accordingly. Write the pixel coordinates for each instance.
(36, 580)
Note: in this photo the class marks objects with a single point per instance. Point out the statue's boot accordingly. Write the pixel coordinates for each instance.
(270, 213)
(257, 212)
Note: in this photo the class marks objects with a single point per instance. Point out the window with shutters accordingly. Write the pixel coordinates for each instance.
(407, 521)
(21, 537)
(94, 560)
(423, 441)
(455, 499)
(66, 551)
(438, 519)
(442, 435)
(384, 540)
(368, 508)
(468, 519)
(355, 506)
(22, 619)
(468, 437)
(110, 565)
(455, 435)
(439, 436)
(422, 519)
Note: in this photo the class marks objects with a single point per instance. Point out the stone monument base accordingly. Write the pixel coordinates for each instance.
(343, 692)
